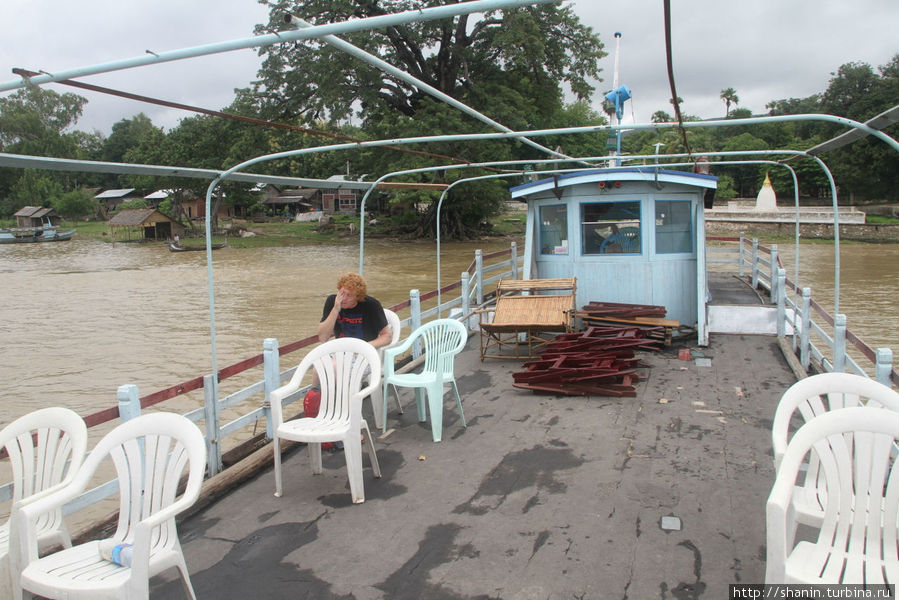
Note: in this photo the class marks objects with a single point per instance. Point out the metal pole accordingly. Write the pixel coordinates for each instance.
(376, 62)
(839, 344)
(211, 410)
(781, 303)
(805, 351)
(129, 402)
(271, 368)
(364, 24)
(884, 366)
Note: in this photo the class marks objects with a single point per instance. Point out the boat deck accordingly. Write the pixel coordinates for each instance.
(540, 497)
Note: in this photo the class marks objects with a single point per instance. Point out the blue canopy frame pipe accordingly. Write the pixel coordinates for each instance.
(502, 135)
(550, 172)
(640, 157)
(376, 62)
(523, 173)
(552, 160)
(833, 192)
(424, 14)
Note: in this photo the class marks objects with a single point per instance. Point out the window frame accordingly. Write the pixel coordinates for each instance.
(613, 226)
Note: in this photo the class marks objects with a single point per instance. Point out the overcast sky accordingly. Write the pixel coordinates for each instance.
(764, 49)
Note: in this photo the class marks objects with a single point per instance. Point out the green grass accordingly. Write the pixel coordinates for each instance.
(880, 220)
(342, 229)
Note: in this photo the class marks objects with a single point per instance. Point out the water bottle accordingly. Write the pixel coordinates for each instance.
(120, 554)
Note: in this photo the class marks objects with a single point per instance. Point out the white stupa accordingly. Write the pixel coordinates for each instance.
(766, 200)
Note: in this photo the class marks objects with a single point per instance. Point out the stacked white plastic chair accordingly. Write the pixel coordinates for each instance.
(342, 365)
(45, 450)
(442, 340)
(377, 398)
(812, 397)
(151, 454)
(856, 541)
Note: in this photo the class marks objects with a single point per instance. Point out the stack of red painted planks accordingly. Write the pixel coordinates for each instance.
(598, 361)
(647, 317)
(624, 311)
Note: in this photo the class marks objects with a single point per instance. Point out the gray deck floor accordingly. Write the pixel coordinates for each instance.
(540, 497)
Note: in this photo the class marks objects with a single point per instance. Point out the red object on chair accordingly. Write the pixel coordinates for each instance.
(311, 402)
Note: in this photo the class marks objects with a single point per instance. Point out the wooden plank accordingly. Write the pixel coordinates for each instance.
(532, 285)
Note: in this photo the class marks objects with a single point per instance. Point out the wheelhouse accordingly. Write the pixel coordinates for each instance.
(631, 235)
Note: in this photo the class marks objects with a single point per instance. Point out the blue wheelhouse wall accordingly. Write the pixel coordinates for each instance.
(669, 279)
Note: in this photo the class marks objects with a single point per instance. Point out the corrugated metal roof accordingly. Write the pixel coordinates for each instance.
(31, 211)
(138, 217)
(159, 195)
(120, 193)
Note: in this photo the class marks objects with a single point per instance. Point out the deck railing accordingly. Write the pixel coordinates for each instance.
(251, 402)
(824, 342)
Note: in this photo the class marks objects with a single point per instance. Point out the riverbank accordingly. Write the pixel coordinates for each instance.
(342, 229)
(871, 233)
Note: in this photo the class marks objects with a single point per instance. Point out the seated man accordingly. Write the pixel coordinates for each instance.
(352, 313)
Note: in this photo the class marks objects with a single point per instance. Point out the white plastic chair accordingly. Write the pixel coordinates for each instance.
(45, 448)
(812, 397)
(341, 365)
(150, 454)
(857, 539)
(442, 340)
(377, 409)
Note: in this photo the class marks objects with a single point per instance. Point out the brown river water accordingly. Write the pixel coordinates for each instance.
(81, 318)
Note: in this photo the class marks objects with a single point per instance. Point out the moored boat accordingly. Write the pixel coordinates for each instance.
(34, 234)
(179, 247)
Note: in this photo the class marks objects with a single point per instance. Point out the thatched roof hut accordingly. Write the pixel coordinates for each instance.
(155, 225)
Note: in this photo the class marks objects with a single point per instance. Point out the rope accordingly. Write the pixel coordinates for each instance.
(674, 99)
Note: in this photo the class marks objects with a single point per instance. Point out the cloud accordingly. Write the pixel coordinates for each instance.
(766, 49)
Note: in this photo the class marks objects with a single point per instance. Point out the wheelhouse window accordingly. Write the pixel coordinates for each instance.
(674, 227)
(610, 227)
(554, 229)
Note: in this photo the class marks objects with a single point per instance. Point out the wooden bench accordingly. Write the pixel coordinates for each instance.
(568, 284)
(521, 321)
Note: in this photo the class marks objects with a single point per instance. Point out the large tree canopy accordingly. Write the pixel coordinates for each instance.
(514, 66)
(532, 51)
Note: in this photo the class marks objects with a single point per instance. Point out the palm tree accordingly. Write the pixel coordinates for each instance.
(729, 96)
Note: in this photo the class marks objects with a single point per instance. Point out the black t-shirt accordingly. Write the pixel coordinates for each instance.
(364, 321)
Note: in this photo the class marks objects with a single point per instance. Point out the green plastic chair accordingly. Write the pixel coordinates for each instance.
(442, 340)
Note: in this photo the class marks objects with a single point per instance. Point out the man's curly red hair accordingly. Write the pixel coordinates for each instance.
(354, 283)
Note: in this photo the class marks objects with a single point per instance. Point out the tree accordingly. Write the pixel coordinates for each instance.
(511, 65)
(542, 46)
(857, 92)
(76, 204)
(34, 121)
(729, 96)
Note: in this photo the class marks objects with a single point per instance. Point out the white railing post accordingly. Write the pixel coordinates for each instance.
(805, 351)
(514, 255)
(781, 303)
(415, 322)
(211, 409)
(479, 274)
(466, 297)
(129, 402)
(755, 263)
(884, 366)
(839, 344)
(271, 372)
(742, 260)
(773, 274)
